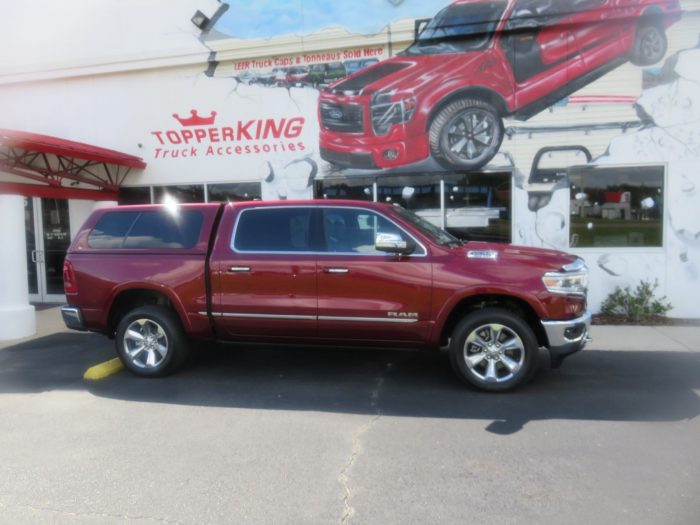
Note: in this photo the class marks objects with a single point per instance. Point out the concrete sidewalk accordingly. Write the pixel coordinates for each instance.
(48, 322)
(644, 338)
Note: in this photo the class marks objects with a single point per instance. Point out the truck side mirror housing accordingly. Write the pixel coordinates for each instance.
(393, 243)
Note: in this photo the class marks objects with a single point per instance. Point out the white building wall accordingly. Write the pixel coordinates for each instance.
(129, 74)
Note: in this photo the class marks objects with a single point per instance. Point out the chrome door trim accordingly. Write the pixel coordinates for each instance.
(311, 318)
(366, 319)
(262, 316)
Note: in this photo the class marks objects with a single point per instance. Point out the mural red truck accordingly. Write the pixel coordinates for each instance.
(475, 63)
(346, 272)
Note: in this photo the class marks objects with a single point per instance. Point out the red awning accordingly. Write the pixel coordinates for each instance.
(68, 168)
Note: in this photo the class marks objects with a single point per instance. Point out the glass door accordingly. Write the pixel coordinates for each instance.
(48, 238)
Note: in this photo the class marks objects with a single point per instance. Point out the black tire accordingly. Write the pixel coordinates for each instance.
(491, 369)
(650, 43)
(165, 346)
(454, 126)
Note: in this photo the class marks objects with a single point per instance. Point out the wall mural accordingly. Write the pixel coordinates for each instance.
(523, 87)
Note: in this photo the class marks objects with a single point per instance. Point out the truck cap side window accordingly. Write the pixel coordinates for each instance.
(150, 229)
(163, 229)
(276, 230)
(110, 231)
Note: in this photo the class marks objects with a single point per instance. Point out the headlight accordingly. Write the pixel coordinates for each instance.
(573, 280)
(387, 112)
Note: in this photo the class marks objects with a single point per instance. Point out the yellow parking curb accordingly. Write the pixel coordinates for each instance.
(103, 370)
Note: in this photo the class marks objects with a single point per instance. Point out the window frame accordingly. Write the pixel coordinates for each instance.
(316, 225)
(665, 226)
(312, 233)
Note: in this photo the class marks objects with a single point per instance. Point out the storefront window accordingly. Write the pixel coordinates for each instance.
(135, 195)
(617, 206)
(234, 192)
(182, 194)
(355, 188)
(478, 206)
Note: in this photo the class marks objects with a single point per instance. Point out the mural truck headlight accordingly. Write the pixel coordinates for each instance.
(387, 111)
(572, 280)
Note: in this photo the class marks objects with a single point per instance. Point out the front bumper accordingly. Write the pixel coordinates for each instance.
(567, 337)
(73, 318)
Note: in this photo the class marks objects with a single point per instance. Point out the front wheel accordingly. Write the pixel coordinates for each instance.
(494, 350)
(650, 44)
(466, 134)
(150, 341)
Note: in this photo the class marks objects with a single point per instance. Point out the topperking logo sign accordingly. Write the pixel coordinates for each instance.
(200, 136)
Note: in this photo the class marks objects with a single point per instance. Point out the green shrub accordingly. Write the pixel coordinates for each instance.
(636, 305)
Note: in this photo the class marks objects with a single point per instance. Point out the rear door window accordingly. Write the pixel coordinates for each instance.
(274, 230)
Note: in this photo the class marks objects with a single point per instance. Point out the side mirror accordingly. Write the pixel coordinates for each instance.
(393, 243)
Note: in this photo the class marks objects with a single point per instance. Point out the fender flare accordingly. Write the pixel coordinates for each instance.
(160, 289)
(469, 293)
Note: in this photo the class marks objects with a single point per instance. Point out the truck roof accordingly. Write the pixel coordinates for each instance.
(249, 204)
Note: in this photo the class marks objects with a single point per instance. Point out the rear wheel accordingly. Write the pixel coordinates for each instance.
(150, 341)
(466, 134)
(650, 43)
(494, 350)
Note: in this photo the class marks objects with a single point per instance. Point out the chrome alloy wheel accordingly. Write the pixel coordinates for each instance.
(145, 343)
(494, 353)
(471, 134)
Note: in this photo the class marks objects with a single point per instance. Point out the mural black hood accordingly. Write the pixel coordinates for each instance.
(361, 80)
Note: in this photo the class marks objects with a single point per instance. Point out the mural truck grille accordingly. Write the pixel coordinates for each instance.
(346, 118)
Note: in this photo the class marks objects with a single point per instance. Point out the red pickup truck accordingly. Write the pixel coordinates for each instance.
(476, 62)
(354, 273)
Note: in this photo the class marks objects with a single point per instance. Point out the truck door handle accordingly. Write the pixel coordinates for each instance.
(336, 270)
(238, 269)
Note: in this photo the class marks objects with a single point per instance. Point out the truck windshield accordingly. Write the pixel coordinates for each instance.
(459, 28)
(438, 235)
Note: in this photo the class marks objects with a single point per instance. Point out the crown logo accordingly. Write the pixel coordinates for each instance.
(195, 119)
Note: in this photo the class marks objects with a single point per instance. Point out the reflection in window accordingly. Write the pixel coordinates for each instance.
(181, 194)
(478, 206)
(355, 188)
(419, 193)
(354, 231)
(617, 206)
(110, 231)
(165, 230)
(234, 192)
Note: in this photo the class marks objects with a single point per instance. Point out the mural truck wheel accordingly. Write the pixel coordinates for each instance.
(466, 134)
(650, 43)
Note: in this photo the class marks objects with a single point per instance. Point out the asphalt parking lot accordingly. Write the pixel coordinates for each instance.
(260, 434)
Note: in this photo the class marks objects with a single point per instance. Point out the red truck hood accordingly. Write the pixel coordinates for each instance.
(547, 260)
(408, 73)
